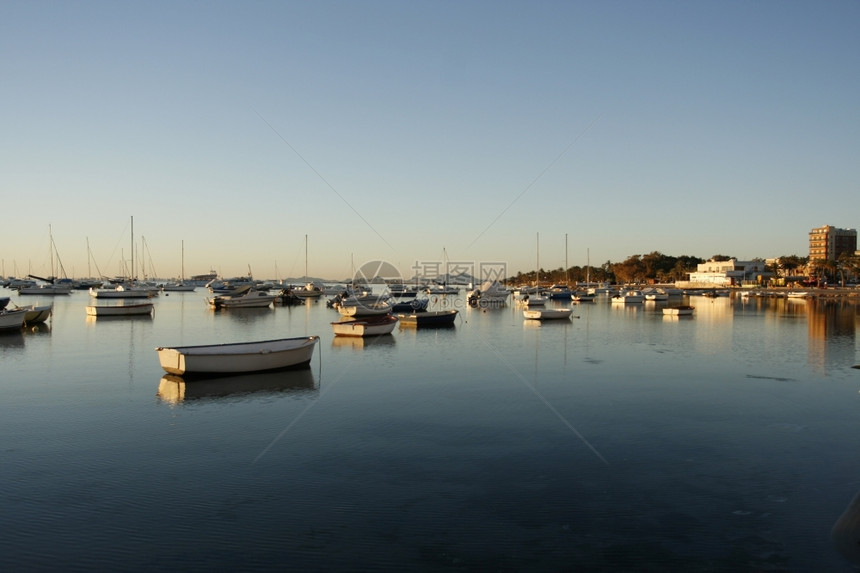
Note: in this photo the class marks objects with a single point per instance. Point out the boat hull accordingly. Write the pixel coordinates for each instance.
(547, 314)
(236, 358)
(12, 319)
(126, 310)
(37, 314)
(678, 310)
(374, 327)
(433, 318)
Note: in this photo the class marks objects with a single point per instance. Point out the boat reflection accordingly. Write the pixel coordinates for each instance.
(120, 318)
(11, 339)
(174, 389)
(363, 342)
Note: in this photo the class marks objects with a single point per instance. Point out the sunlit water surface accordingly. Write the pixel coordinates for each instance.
(618, 440)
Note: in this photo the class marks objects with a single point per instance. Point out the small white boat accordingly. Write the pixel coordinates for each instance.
(12, 319)
(797, 294)
(251, 299)
(656, 295)
(37, 314)
(580, 296)
(238, 357)
(121, 292)
(547, 313)
(373, 326)
(377, 308)
(630, 296)
(678, 310)
(121, 310)
(531, 300)
(310, 290)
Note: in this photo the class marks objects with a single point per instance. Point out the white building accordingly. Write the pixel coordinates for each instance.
(729, 273)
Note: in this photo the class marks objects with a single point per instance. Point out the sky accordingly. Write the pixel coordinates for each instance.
(247, 134)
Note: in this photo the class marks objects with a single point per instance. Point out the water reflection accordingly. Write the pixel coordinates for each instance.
(11, 339)
(846, 532)
(174, 389)
(362, 342)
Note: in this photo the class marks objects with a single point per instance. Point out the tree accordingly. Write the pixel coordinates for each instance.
(721, 258)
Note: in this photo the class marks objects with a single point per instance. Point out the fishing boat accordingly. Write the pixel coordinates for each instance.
(249, 299)
(12, 319)
(679, 310)
(237, 357)
(547, 313)
(432, 318)
(141, 309)
(372, 326)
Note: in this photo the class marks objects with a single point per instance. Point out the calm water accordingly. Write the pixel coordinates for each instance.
(619, 440)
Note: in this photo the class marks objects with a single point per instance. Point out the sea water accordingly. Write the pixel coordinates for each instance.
(619, 439)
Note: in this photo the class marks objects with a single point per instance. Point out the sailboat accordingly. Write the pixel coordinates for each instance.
(310, 290)
(562, 291)
(125, 291)
(180, 286)
(535, 299)
(52, 284)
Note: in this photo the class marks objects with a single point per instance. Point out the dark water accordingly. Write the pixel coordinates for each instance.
(619, 440)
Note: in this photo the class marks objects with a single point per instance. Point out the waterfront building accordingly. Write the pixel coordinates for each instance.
(729, 273)
(827, 243)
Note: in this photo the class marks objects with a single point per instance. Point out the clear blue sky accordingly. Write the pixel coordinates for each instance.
(394, 130)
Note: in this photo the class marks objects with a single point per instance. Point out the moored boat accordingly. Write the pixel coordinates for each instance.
(12, 319)
(250, 299)
(377, 308)
(547, 313)
(237, 357)
(372, 326)
(122, 291)
(432, 318)
(141, 309)
(37, 314)
(679, 310)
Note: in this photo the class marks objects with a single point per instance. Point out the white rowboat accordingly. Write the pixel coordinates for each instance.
(680, 310)
(124, 310)
(11, 319)
(238, 357)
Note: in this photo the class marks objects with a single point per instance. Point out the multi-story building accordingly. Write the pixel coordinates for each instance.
(729, 273)
(827, 243)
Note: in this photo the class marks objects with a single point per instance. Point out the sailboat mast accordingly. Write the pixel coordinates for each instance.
(307, 276)
(132, 247)
(566, 274)
(537, 259)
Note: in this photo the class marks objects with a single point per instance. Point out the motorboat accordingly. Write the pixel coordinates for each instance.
(249, 299)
